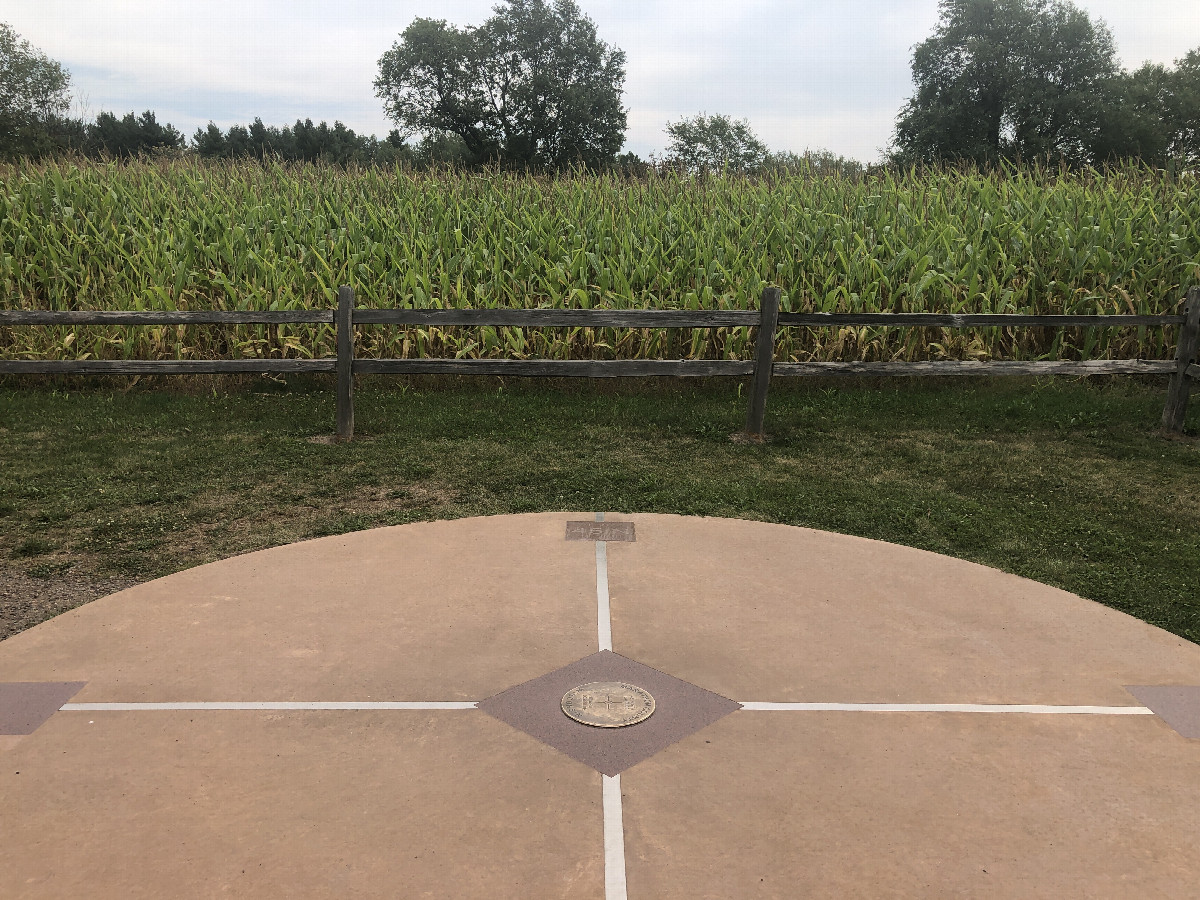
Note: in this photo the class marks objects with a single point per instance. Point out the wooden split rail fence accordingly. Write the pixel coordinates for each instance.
(1183, 370)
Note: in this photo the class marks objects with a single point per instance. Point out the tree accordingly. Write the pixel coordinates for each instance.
(815, 163)
(33, 97)
(1134, 123)
(303, 142)
(630, 165)
(1183, 108)
(714, 143)
(532, 86)
(209, 142)
(130, 136)
(1008, 79)
(1153, 114)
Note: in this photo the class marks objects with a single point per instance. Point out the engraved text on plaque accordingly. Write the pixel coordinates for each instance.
(608, 704)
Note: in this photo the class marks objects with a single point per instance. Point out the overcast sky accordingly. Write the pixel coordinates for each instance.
(805, 73)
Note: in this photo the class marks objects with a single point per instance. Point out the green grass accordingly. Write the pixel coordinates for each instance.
(1068, 483)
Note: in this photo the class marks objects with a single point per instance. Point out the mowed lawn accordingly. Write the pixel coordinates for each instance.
(1064, 481)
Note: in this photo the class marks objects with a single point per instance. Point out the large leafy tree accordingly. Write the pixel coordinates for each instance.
(713, 143)
(1152, 114)
(33, 96)
(1136, 121)
(1183, 108)
(1008, 79)
(534, 85)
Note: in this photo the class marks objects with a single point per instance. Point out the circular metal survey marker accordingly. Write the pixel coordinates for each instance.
(608, 704)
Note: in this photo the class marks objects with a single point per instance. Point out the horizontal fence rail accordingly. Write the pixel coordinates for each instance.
(955, 367)
(164, 366)
(559, 318)
(999, 320)
(239, 317)
(1183, 370)
(602, 318)
(556, 368)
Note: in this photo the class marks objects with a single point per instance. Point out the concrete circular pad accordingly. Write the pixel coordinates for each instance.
(367, 715)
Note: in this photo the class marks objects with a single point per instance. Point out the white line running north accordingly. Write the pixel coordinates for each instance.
(603, 612)
(614, 820)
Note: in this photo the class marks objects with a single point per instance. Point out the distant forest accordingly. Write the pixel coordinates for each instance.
(133, 136)
(109, 137)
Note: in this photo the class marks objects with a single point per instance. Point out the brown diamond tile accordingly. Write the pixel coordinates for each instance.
(24, 705)
(1178, 706)
(535, 707)
(609, 532)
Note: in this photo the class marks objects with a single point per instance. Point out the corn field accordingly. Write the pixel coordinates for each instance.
(186, 235)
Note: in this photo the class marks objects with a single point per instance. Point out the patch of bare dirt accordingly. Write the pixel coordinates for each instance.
(26, 601)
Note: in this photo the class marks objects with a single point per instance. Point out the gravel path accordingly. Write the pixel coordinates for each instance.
(27, 601)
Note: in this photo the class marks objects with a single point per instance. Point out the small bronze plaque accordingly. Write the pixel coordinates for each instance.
(600, 531)
(608, 704)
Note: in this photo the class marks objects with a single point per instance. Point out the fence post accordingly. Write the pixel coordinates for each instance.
(1181, 383)
(764, 361)
(344, 327)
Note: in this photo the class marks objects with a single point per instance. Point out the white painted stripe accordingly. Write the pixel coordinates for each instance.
(285, 705)
(951, 708)
(603, 610)
(749, 706)
(614, 840)
(614, 825)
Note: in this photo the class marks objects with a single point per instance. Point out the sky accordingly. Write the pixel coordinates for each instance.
(806, 74)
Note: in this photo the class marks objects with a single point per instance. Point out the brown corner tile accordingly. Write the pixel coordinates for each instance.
(24, 705)
(1178, 706)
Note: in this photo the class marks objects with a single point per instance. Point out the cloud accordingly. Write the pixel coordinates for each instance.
(793, 69)
(1160, 31)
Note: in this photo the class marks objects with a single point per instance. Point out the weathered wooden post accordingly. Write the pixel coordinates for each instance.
(764, 361)
(344, 327)
(1181, 381)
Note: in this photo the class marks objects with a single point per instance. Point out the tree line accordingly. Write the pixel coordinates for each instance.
(534, 87)
(1031, 80)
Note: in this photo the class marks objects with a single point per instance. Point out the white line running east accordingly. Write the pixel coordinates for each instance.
(950, 708)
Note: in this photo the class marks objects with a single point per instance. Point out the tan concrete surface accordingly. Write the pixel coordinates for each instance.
(295, 805)
(458, 804)
(766, 612)
(431, 611)
(837, 805)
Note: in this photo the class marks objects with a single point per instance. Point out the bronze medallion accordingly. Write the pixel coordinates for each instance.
(608, 704)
